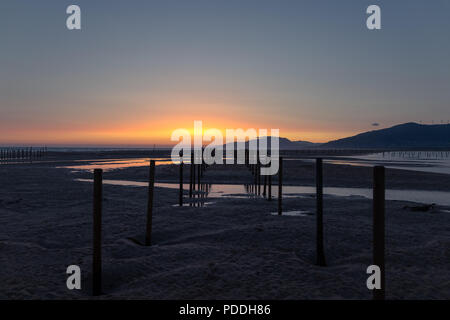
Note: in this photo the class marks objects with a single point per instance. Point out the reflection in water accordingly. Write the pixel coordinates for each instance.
(294, 213)
(246, 191)
(199, 196)
(112, 164)
(435, 162)
(424, 161)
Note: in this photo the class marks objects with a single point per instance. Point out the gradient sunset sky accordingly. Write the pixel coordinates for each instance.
(140, 69)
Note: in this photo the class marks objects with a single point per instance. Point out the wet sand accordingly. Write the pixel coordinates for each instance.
(230, 249)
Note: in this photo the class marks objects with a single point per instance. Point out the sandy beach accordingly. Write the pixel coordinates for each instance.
(231, 248)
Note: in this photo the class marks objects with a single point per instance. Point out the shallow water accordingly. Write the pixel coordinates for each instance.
(239, 191)
(113, 164)
(435, 162)
(294, 213)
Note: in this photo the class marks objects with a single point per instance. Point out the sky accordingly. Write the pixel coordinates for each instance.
(138, 70)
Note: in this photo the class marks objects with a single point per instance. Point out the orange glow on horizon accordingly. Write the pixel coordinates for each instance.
(156, 133)
(146, 128)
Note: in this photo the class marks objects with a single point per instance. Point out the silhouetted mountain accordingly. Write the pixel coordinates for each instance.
(306, 144)
(407, 135)
(286, 144)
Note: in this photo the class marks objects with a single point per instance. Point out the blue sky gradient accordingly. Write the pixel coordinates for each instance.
(310, 68)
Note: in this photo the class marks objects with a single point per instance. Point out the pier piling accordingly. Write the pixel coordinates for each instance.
(151, 187)
(97, 243)
(180, 199)
(280, 186)
(319, 214)
(379, 227)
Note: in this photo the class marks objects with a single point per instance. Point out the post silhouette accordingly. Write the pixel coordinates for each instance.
(255, 179)
(269, 187)
(181, 183)
(320, 255)
(193, 178)
(199, 173)
(265, 186)
(191, 167)
(97, 243)
(378, 227)
(259, 178)
(151, 187)
(280, 186)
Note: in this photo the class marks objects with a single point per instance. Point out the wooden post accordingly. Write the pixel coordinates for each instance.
(258, 168)
(265, 186)
(181, 183)
(97, 245)
(255, 179)
(191, 176)
(320, 255)
(378, 227)
(199, 173)
(151, 187)
(269, 194)
(280, 186)
(202, 165)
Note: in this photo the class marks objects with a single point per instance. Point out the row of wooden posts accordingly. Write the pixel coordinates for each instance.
(22, 154)
(378, 212)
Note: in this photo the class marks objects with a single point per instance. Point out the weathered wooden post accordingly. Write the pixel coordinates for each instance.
(280, 186)
(378, 227)
(255, 179)
(181, 183)
(319, 214)
(199, 173)
(269, 193)
(97, 246)
(265, 186)
(202, 165)
(151, 187)
(191, 176)
(258, 172)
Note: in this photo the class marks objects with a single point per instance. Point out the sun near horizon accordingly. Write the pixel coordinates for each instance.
(154, 133)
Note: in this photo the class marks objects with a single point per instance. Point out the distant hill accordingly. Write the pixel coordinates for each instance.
(407, 135)
(305, 144)
(286, 144)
